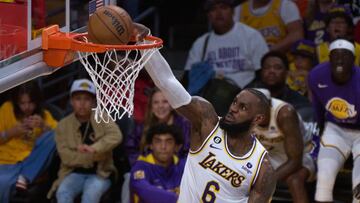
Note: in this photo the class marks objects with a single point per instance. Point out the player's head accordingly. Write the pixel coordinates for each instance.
(164, 141)
(249, 108)
(274, 69)
(220, 14)
(27, 100)
(83, 97)
(341, 60)
(339, 22)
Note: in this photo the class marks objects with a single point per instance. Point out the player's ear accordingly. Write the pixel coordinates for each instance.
(259, 118)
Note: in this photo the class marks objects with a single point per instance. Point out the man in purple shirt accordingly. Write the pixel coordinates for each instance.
(335, 88)
(156, 177)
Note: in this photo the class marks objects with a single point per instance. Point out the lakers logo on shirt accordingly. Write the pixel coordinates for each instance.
(221, 169)
(340, 108)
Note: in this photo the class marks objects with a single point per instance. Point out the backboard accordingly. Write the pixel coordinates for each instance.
(21, 23)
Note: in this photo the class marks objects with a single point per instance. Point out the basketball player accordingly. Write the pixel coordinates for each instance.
(226, 162)
(283, 134)
(335, 88)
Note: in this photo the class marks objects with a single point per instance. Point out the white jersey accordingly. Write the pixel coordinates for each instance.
(235, 55)
(213, 174)
(273, 139)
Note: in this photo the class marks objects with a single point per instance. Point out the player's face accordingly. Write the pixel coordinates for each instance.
(273, 72)
(220, 16)
(341, 61)
(241, 112)
(160, 106)
(337, 27)
(26, 106)
(82, 103)
(163, 147)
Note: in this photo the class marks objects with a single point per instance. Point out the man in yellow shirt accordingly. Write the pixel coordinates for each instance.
(26, 142)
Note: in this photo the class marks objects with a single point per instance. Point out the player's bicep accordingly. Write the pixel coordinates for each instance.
(265, 184)
(199, 112)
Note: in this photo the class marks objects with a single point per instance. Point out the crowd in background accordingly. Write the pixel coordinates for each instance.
(267, 44)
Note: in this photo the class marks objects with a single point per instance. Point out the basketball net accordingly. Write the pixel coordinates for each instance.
(114, 73)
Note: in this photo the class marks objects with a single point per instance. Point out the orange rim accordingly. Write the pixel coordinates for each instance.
(52, 38)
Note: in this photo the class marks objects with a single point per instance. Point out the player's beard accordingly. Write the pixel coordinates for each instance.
(237, 128)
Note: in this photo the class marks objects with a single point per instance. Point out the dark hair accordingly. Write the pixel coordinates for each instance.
(33, 90)
(276, 54)
(210, 3)
(173, 130)
(265, 103)
(339, 14)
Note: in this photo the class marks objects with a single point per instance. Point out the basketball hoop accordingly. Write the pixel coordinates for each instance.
(112, 68)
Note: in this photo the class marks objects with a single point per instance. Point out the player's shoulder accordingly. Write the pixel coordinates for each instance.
(320, 70)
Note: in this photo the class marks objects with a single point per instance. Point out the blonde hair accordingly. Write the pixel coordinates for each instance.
(150, 119)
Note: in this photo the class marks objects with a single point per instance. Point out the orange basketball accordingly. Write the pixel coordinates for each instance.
(110, 25)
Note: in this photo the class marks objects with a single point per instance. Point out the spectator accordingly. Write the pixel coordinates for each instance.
(283, 134)
(274, 70)
(158, 111)
(357, 32)
(156, 177)
(304, 60)
(85, 149)
(335, 88)
(315, 26)
(232, 49)
(339, 24)
(278, 21)
(26, 142)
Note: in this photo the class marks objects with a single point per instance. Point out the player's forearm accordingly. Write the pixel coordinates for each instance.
(289, 167)
(160, 72)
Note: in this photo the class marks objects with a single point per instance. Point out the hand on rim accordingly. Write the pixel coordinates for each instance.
(140, 31)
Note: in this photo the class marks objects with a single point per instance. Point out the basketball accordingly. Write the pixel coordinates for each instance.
(110, 25)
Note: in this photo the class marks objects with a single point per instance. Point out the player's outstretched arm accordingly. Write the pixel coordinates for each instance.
(200, 112)
(265, 184)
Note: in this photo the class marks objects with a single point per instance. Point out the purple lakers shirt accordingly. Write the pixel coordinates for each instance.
(339, 104)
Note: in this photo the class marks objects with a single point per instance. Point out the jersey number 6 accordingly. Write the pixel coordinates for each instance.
(209, 195)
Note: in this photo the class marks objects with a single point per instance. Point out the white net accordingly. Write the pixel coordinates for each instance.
(114, 74)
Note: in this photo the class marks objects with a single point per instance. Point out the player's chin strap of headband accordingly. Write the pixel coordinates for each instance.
(160, 72)
(342, 44)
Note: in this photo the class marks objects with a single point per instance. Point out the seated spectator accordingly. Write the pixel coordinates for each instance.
(278, 21)
(26, 139)
(304, 60)
(85, 149)
(156, 177)
(314, 22)
(158, 111)
(233, 49)
(283, 134)
(339, 24)
(274, 70)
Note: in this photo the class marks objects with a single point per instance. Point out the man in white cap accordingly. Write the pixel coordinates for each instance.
(85, 148)
(335, 88)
